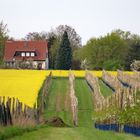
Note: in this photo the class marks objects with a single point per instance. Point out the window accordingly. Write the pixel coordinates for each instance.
(17, 54)
(27, 54)
(32, 54)
(23, 54)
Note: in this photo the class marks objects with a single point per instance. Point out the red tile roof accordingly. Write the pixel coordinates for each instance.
(40, 47)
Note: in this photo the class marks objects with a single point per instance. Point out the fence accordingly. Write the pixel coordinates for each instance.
(133, 80)
(113, 104)
(74, 100)
(98, 97)
(111, 115)
(14, 112)
(112, 81)
(41, 101)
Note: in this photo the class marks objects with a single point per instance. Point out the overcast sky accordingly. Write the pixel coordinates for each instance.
(90, 18)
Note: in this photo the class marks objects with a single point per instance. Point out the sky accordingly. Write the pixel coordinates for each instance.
(90, 18)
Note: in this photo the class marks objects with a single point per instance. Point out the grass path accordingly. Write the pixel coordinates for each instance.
(85, 104)
(105, 90)
(80, 133)
(58, 101)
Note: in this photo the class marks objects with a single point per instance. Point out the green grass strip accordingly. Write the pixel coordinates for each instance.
(58, 101)
(105, 90)
(85, 103)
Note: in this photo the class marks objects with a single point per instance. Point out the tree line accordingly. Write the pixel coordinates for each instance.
(116, 50)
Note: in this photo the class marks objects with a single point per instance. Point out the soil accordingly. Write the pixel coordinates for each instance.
(56, 121)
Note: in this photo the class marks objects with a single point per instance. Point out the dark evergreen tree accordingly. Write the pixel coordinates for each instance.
(64, 55)
(51, 41)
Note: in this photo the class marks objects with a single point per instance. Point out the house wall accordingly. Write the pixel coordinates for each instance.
(47, 63)
(35, 64)
(44, 64)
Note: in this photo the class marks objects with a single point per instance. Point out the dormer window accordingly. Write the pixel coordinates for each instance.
(23, 54)
(32, 54)
(17, 53)
(27, 54)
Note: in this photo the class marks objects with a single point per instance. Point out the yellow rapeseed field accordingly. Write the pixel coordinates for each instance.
(22, 84)
(81, 73)
(99, 73)
(60, 73)
(25, 84)
(77, 73)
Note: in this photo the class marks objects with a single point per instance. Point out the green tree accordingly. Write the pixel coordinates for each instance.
(133, 42)
(74, 38)
(108, 52)
(134, 54)
(3, 38)
(53, 49)
(36, 36)
(64, 55)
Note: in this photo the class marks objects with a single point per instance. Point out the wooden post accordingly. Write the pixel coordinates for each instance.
(9, 118)
(13, 107)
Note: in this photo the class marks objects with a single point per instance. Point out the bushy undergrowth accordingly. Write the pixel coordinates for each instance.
(11, 131)
(129, 115)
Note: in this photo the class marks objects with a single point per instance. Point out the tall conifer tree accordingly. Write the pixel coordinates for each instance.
(64, 55)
